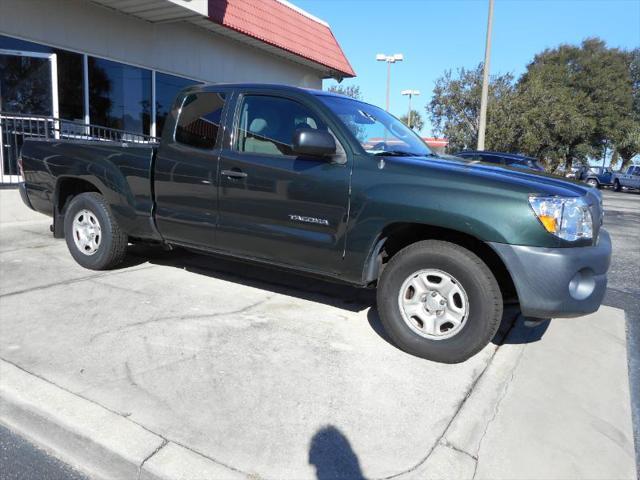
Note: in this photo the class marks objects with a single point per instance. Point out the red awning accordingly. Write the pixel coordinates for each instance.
(281, 25)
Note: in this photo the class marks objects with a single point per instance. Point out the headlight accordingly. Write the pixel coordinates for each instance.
(567, 218)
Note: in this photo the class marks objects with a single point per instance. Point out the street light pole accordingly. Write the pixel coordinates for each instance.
(485, 81)
(410, 93)
(381, 57)
(388, 83)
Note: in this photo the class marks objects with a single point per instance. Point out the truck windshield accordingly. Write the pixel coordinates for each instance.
(378, 132)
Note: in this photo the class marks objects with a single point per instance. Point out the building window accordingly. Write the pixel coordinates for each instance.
(25, 85)
(167, 88)
(119, 96)
(70, 86)
(31, 77)
(200, 119)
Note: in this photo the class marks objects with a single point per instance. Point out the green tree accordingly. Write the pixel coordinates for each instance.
(417, 123)
(352, 91)
(626, 137)
(573, 102)
(454, 109)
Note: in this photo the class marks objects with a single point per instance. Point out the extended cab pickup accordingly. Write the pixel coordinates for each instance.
(628, 179)
(331, 186)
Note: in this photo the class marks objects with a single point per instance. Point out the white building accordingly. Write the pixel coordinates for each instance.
(119, 63)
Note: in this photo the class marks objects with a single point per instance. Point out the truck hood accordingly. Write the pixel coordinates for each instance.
(529, 181)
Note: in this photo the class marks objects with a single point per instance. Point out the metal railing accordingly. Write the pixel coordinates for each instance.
(15, 128)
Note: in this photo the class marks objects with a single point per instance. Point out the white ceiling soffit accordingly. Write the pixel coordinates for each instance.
(159, 11)
(196, 13)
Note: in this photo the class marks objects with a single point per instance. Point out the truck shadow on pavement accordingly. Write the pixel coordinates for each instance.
(292, 284)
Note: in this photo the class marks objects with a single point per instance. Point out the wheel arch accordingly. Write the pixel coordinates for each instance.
(68, 187)
(396, 236)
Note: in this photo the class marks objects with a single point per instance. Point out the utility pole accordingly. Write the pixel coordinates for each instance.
(410, 93)
(485, 81)
(381, 57)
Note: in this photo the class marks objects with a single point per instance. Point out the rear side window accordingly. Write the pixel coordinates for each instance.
(267, 124)
(492, 159)
(517, 162)
(199, 119)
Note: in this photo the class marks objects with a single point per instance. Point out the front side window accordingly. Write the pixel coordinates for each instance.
(199, 119)
(267, 124)
(378, 132)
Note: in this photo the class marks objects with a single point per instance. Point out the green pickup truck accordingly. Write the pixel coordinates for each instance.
(330, 186)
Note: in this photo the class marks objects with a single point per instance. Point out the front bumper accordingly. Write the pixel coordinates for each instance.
(558, 282)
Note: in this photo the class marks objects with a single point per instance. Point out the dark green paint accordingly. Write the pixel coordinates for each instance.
(178, 194)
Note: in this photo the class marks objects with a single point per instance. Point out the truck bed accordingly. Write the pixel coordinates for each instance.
(121, 170)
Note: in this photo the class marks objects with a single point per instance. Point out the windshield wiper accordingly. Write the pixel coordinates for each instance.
(395, 153)
(401, 153)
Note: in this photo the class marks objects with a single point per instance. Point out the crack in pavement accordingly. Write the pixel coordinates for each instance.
(72, 281)
(496, 409)
(125, 416)
(32, 247)
(162, 445)
(440, 440)
(447, 444)
(179, 318)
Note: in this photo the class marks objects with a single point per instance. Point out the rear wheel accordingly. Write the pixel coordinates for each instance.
(592, 182)
(616, 185)
(439, 301)
(93, 236)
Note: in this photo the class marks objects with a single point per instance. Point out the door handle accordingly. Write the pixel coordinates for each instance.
(234, 173)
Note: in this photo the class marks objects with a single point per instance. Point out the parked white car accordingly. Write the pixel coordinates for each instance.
(628, 179)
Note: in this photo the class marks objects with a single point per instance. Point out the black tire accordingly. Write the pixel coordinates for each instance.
(484, 300)
(616, 185)
(593, 183)
(112, 247)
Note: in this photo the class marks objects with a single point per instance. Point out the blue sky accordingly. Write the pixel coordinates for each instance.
(437, 35)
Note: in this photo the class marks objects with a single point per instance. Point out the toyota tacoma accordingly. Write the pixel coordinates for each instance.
(334, 187)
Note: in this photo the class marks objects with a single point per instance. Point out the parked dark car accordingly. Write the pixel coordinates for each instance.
(506, 159)
(290, 177)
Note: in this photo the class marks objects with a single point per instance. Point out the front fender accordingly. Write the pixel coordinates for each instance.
(486, 210)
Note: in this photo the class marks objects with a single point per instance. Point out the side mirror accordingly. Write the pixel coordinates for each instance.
(317, 143)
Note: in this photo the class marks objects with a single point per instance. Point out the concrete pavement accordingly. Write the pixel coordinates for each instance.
(622, 218)
(237, 370)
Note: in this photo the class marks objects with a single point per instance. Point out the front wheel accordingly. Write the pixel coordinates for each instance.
(93, 236)
(439, 301)
(616, 185)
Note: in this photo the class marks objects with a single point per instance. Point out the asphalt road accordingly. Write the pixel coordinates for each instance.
(622, 220)
(20, 460)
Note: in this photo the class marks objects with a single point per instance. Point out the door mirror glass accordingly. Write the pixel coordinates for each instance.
(317, 143)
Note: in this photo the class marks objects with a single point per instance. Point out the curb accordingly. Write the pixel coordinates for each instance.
(93, 439)
(455, 455)
(106, 445)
